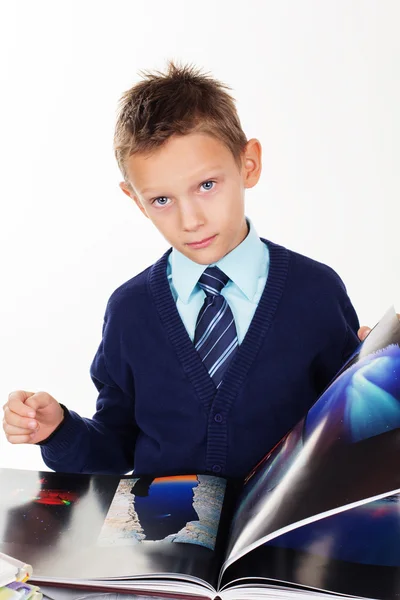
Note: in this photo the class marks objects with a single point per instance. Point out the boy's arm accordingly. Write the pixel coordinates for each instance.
(103, 444)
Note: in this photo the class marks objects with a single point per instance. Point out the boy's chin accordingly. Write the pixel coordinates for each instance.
(203, 256)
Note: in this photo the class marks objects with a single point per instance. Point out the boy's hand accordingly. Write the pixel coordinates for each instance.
(30, 418)
(364, 330)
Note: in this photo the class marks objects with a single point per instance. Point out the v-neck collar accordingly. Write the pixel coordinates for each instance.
(248, 349)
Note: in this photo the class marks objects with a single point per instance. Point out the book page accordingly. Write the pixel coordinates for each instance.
(81, 527)
(339, 455)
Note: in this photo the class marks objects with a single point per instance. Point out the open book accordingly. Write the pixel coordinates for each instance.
(321, 512)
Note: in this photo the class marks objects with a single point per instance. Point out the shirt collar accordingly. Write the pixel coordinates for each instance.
(249, 253)
(185, 272)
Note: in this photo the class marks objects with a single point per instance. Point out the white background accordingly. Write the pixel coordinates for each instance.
(316, 81)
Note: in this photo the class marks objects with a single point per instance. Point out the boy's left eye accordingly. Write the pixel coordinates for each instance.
(208, 185)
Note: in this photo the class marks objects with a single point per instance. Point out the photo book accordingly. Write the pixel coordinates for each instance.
(318, 517)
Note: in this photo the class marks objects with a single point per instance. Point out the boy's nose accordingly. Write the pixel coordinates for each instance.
(191, 217)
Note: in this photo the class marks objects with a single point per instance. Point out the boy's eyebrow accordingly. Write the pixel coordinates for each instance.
(203, 174)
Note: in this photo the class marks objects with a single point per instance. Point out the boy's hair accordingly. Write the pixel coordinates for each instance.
(183, 100)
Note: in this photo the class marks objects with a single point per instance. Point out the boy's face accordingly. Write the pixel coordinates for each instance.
(193, 190)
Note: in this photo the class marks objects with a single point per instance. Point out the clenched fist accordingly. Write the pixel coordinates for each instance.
(30, 418)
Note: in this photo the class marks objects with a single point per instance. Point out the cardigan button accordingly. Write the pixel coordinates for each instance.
(218, 418)
(216, 468)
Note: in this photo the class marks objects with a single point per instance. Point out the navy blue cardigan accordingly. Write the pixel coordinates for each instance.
(158, 410)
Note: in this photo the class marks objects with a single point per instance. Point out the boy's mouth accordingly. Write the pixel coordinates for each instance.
(202, 243)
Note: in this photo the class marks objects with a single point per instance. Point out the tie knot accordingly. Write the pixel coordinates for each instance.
(213, 280)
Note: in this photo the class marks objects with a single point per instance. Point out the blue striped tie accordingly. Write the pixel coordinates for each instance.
(215, 337)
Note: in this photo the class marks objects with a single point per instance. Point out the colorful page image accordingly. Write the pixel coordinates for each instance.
(44, 503)
(367, 534)
(167, 509)
(365, 400)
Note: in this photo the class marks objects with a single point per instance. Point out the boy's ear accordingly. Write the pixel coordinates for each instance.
(251, 163)
(126, 188)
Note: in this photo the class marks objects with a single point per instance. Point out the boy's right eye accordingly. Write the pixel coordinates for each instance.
(161, 200)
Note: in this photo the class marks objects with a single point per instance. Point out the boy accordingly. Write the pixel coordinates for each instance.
(213, 353)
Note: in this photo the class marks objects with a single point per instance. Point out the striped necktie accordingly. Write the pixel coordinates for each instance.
(215, 336)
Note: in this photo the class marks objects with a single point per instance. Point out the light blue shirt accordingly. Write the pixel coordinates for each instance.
(246, 266)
